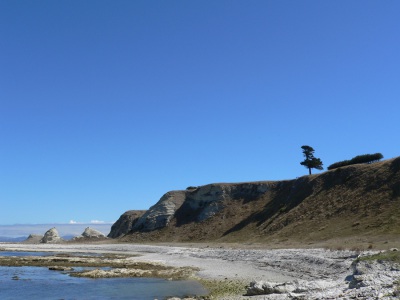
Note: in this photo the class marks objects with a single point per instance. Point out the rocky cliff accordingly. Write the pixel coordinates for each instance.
(160, 214)
(125, 223)
(195, 204)
(352, 200)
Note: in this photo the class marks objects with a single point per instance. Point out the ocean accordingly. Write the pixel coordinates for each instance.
(19, 232)
(40, 283)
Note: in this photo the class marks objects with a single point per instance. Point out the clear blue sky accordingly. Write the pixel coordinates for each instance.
(107, 105)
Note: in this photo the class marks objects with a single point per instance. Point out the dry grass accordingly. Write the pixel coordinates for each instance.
(354, 207)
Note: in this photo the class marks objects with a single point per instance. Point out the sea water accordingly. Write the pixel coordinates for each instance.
(41, 283)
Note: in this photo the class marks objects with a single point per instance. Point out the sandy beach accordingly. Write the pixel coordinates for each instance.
(304, 273)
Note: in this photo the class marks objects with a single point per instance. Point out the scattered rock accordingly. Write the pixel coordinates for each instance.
(266, 288)
(375, 274)
(369, 280)
(51, 236)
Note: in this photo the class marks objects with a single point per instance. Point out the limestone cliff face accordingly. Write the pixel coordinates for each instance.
(352, 200)
(160, 214)
(206, 201)
(125, 223)
(198, 203)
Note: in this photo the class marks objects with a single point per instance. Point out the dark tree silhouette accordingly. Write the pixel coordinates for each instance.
(310, 162)
(360, 159)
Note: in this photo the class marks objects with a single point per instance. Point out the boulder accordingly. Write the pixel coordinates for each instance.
(298, 289)
(266, 288)
(51, 236)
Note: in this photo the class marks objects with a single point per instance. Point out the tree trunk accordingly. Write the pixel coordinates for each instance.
(309, 171)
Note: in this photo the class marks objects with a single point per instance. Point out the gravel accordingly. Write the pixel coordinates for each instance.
(322, 274)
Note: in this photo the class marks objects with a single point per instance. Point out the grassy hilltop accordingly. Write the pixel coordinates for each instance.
(352, 206)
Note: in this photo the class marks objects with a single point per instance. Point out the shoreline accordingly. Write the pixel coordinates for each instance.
(214, 263)
(317, 273)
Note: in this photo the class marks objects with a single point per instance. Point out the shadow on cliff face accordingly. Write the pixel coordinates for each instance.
(207, 201)
(186, 214)
(283, 198)
(395, 168)
(353, 200)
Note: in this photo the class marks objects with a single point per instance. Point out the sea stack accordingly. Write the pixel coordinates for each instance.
(51, 236)
(90, 233)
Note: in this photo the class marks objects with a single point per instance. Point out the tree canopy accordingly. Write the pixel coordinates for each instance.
(310, 162)
(360, 159)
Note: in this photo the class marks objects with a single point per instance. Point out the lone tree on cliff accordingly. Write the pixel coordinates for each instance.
(310, 161)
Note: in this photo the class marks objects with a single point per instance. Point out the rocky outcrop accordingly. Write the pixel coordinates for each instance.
(374, 274)
(33, 239)
(51, 236)
(201, 202)
(90, 233)
(207, 200)
(370, 279)
(125, 223)
(297, 289)
(160, 214)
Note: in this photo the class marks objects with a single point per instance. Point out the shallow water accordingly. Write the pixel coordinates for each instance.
(24, 253)
(33, 253)
(41, 283)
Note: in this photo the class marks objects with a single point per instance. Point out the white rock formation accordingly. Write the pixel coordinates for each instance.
(208, 199)
(90, 233)
(51, 236)
(370, 280)
(161, 213)
(199, 203)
